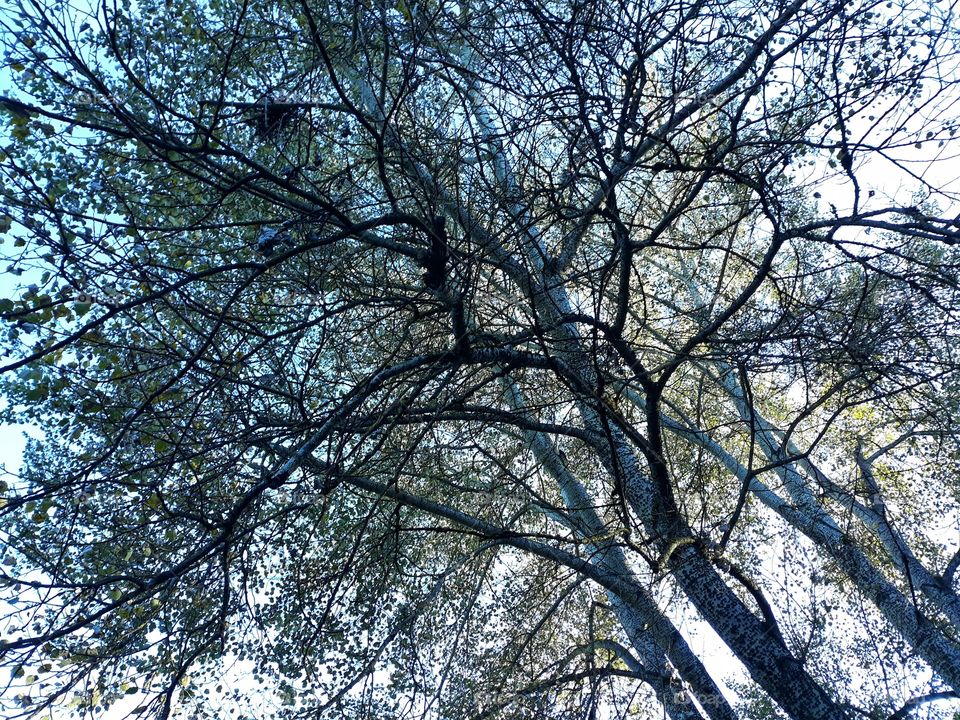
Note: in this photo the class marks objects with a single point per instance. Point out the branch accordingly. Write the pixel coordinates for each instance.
(916, 702)
(951, 569)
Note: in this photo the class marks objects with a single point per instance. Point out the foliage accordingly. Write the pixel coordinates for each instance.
(440, 359)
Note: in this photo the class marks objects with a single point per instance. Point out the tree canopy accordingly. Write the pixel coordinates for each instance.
(579, 359)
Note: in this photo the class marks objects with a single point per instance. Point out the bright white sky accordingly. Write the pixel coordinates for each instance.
(877, 174)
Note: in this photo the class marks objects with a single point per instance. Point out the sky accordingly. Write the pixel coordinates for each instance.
(882, 175)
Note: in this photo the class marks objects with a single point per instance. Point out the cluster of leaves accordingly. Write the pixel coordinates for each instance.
(553, 320)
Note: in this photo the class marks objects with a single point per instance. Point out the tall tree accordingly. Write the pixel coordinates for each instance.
(482, 360)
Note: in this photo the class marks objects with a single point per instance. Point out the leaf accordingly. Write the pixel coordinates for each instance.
(38, 393)
(404, 10)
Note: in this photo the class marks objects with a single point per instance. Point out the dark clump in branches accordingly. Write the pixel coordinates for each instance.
(268, 116)
(270, 240)
(271, 117)
(435, 261)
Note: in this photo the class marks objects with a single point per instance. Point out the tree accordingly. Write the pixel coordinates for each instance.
(476, 359)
